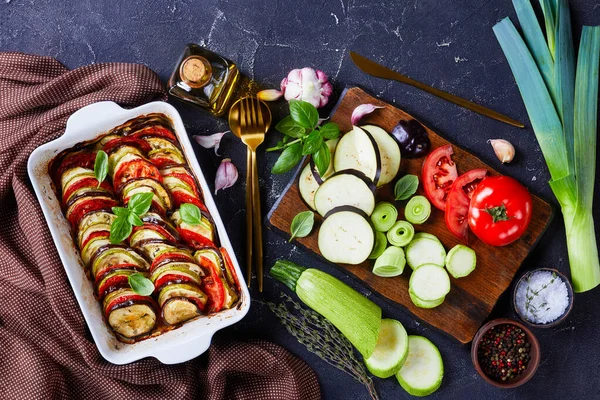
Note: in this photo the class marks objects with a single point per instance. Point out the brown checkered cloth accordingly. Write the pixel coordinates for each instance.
(46, 351)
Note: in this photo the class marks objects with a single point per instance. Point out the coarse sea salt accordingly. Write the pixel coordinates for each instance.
(542, 297)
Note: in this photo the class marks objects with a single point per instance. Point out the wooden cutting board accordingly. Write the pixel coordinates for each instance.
(472, 298)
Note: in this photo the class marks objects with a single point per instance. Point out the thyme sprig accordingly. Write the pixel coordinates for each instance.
(530, 308)
(321, 338)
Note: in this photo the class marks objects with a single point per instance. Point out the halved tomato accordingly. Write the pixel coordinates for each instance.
(133, 170)
(459, 198)
(438, 175)
(129, 141)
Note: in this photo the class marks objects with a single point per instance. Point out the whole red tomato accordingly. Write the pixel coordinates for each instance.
(500, 210)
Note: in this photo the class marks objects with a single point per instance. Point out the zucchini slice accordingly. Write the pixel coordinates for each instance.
(344, 188)
(429, 282)
(424, 303)
(346, 237)
(358, 150)
(391, 349)
(425, 251)
(461, 261)
(423, 370)
(389, 152)
(148, 185)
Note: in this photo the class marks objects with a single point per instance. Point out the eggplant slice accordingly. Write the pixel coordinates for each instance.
(358, 150)
(389, 152)
(346, 237)
(344, 188)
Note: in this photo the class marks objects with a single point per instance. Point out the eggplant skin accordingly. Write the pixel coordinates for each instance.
(132, 320)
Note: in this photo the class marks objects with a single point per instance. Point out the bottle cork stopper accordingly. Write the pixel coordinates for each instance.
(195, 71)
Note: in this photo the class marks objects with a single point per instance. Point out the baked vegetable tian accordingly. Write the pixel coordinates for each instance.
(172, 241)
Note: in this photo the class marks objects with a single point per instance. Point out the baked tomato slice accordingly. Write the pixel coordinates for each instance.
(212, 285)
(82, 159)
(500, 210)
(89, 205)
(114, 144)
(193, 239)
(166, 257)
(133, 170)
(457, 204)
(85, 183)
(180, 197)
(438, 175)
(155, 130)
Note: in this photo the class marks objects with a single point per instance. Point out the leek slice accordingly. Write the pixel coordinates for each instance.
(417, 210)
(390, 263)
(384, 216)
(379, 246)
(401, 234)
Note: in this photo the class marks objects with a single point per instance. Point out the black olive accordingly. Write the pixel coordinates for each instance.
(412, 137)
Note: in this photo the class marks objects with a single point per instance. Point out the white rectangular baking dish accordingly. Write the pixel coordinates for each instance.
(192, 338)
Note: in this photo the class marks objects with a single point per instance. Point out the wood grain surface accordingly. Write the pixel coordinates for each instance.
(472, 298)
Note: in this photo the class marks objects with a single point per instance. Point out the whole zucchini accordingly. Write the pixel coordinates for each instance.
(357, 317)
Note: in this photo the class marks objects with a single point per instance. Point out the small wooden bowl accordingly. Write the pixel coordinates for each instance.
(534, 353)
(559, 319)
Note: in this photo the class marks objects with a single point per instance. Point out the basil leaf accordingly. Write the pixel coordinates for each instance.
(302, 224)
(134, 219)
(140, 284)
(406, 187)
(140, 203)
(120, 211)
(101, 166)
(288, 159)
(120, 229)
(289, 127)
(313, 142)
(330, 130)
(304, 114)
(190, 214)
(322, 158)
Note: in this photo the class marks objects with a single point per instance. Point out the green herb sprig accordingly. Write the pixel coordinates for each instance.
(129, 216)
(322, 338)
(140, 284)
(303, 136)
(406, 187)
(302, 224)
(530, 308)
(101, 166)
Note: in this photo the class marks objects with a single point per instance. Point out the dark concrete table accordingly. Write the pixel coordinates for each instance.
(446, 43)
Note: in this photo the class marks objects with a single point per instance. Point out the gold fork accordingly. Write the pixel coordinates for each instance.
(254, 118)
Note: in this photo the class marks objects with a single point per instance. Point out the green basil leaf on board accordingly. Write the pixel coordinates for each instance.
(330, 130)
(140, 203)
(302, 224)
(406, 187)
(288, 159)
(190, 214)
(140, 284)
(134, 219)
(101, 166)
(313, 142)
(304, 114)
(120, 229)
(289, 127)
(322, 158)
(120, 211)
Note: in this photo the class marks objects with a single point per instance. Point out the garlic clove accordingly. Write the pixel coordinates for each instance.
(269, 95)
(504, 150)
(210, 141)
(361, 111)
(227, 175)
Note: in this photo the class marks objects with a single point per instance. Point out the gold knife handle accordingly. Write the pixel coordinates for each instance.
(249, 208)
(257, 224)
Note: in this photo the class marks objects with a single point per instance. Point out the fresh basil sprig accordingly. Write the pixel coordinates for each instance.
(302, 125)
(140, 284)
(101, 166)
(127, 217)
(302, 224)
(406, 187)
(190, 213)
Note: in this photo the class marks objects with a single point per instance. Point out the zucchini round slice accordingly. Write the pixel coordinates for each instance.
(424, 303)
(346, 237)
(389, 152)
(344, 189)
(425, 251)
(423, 370)
(358, 150)
(426, 235)
(461, 261)
(429, 282)
(391, 349)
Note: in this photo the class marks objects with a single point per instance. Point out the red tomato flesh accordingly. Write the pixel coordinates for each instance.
(438, 175)
(193, 239)
(457, 205)
(135, 169)
(500, 210)
(114, 144)
(212, 285)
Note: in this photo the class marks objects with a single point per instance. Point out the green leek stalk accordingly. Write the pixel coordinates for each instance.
(562, 105)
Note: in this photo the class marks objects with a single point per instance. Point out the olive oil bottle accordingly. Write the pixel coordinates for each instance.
(205, 79)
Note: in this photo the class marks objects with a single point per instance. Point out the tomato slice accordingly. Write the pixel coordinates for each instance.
(438, 175)
(457, 205)
(126, 300)
(157, 228)
(169, 257)
(89, 205)
(107, 270)
(155, 130)
(212, 285)
(180, 197)
(113, 283)
(172, 278)
(500, 210)
(94, 235)
(229, 267)
(85, 182)
(114, 144)
(187, 179)
(163, 162)
(84, 160)
(135, 169)
(193, 239)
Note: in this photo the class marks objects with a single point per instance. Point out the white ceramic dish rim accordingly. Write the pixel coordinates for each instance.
(182, 344)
